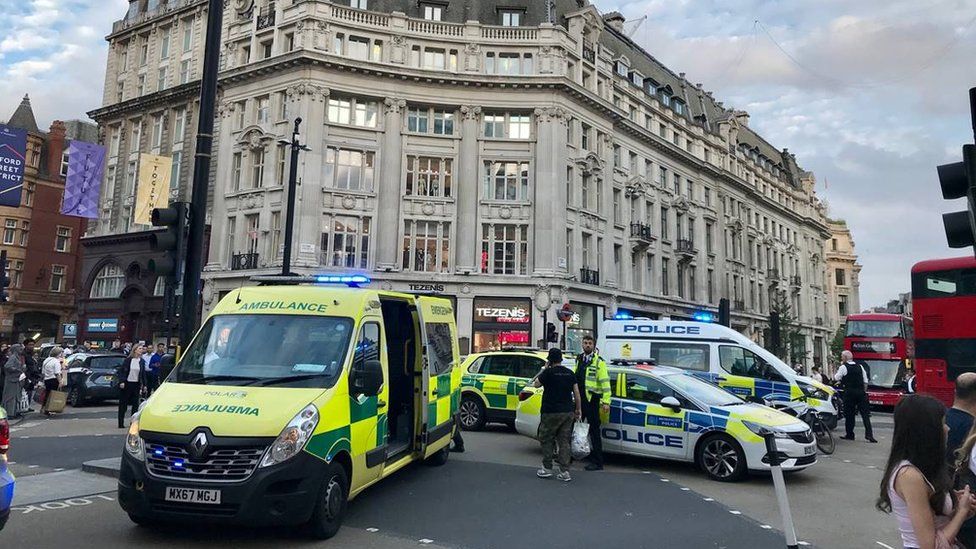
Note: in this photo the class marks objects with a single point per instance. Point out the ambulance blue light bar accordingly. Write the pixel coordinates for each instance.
(342, 279)
(353, 281)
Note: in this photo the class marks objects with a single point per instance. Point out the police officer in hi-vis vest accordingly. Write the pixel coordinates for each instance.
(593, 378)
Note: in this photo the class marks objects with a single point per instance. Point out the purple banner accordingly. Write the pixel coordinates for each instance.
(13, 151)
(86, 162)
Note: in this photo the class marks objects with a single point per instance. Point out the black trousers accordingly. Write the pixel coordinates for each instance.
(857, 402)
(591, 411)
(129, 397)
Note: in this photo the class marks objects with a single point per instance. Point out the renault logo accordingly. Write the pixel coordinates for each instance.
(198, 446)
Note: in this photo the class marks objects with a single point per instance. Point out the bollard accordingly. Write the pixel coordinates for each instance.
(779, 483)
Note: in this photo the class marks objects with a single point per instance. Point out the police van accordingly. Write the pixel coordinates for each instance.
(292, 399)
(717, 354)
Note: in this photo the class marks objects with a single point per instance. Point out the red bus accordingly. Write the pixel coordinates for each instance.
(882, 342)
(944, 303)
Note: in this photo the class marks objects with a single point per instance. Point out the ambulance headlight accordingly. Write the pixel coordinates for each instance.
(293, 437)
(762, 430)
(133, 442)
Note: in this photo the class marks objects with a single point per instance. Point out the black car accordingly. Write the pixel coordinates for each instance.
(91, 377)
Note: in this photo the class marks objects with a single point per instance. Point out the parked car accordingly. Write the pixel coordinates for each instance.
(91, 378)
(6, 477)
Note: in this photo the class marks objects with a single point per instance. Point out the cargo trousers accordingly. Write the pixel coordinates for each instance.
(555, 434)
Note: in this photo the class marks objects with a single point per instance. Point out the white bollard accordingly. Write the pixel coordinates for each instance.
(779, 484)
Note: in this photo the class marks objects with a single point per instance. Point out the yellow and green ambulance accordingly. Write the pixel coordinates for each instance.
(491, 385)
(293, 398)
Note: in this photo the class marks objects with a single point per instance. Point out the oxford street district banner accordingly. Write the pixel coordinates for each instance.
(13, 153)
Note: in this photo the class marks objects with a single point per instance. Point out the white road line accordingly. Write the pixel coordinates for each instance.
(425, 541)
(885, 545)
(59, 469)
(33, 466)
(765, 527)
(735, 512)
(372, 529)
(709, 499)
(665, 480)
(803, 543)
(685, 489)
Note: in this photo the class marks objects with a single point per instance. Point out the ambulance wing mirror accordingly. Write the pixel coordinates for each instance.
(366, 378)
(671, 402)
(166, 364)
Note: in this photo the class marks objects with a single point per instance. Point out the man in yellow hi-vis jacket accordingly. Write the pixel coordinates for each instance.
(591, 372)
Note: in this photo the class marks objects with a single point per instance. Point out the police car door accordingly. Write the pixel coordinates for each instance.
(648, 427)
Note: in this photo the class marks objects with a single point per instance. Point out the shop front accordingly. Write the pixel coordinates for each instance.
(584, 322)
(500, 322)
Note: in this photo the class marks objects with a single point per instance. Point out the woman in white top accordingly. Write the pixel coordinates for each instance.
(51, 370)
(917, 485)
(131, 377)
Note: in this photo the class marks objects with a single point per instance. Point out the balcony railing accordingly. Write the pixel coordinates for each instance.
(266, 19)
(686, 246)
(243, 262)
(739, 305)
(795, 280)
(819, 321)
(589, 55)
(590, 276)
(641, 231)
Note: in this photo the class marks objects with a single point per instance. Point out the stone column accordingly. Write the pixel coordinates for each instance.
(549, 203)
(225, 148)
(466, 248)
(307, 101)
(387, 223)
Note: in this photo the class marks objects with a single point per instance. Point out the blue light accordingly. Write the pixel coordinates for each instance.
(178, 464)
(158, 452)
(351, 280)
(704, 316)
(623, 316)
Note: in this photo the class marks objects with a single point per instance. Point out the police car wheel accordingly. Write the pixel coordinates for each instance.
(331, 507)
(472, 414)
(721, 458)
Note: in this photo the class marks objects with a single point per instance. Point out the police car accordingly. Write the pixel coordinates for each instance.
(492, 382)
(662, 412)
(716, 354)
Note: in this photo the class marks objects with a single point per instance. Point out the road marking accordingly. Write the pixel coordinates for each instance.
(425, 541)
(62, 436)
(803, 543)
(33, 466)
(847, 461)
(372, 529)
(735, 512)
(62, 504)
(59, 469)
(885, 545)
(665, 480)
(709, 499)
(683, 489)
(765, 527)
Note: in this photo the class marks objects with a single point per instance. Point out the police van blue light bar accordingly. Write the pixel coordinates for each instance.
(704, 316)
(623, 316)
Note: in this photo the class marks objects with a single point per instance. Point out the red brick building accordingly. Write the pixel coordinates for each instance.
(43, 251)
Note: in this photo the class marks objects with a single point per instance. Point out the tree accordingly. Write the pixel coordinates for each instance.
(792, 343)
(837, 343)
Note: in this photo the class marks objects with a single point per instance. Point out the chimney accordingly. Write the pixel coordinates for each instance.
(55, 148)
(616, 20)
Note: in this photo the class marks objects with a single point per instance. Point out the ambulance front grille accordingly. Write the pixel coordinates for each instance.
(219, 465)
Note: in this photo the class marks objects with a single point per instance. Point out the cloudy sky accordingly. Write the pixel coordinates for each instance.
(870, 95)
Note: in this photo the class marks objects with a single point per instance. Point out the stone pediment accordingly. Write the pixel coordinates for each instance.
(253, 137)
(591, 164)
(637, 186)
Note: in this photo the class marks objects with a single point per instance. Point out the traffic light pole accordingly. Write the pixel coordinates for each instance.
(296, 146)
(201, 174)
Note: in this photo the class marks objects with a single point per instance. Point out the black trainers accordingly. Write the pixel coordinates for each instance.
(872, 440)
(845, 437)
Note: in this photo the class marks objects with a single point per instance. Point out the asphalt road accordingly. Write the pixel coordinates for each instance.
(489, 497)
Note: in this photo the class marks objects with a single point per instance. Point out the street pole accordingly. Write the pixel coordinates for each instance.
(292, 187)
(201, 174)
(779, 486)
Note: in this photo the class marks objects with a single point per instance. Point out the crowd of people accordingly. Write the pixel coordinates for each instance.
(29, 375)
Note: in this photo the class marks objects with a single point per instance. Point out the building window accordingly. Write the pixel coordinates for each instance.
(711, 286)
(357, 47)
(64, 164)
(235, 174)
(842, 305)
(144, 52)
(275, 235)
(508, 126)
(427, 176)
(692, 295)
(681, 280)
(507, 180)
(157, 132)
(426, 120)
(62, 242)
(585, 188)
(10, 232)
(161, 79)
(15, 272)
(426, 246)
(347, 169)
(840, 276)
(511, 18)
(57, 278)
(257, 167)
(108, 283)
(253, 223)
(136, 134)
(120, 92)
(124, 59)
(24, 232)
(290, 41)
(231, 235)
(504, 249)
(264, 109)
(174, 176)
(179, 125)
(356, 112)
(187, 37)
(266, 49)
(432, 12)
(141, 85)
(509, 63)
(185, 71)
(358, 4)
(665, 282)
(280, 173)
(664, 224)
(345, 242)
(159, 289)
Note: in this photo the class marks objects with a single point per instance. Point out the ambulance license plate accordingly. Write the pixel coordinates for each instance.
(193, 495)
(809, 451)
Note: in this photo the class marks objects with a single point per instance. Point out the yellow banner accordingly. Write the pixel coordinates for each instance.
(153, 186)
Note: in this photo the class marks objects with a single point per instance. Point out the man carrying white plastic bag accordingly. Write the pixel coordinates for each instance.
(561, 405)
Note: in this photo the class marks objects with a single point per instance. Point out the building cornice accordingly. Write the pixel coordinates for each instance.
(146, 103)
(147, 20)
(116, 239)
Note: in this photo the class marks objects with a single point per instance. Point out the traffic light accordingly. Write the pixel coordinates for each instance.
(958, 180)
(169, 241)
(4, 280)
(551, 335)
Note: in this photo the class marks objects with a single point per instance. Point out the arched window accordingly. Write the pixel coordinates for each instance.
(108, 283)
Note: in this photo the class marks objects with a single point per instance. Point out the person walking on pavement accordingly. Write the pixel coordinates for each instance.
(561, 406)
(51, 370)
(854, 379)
(152, 373)
(917, 485)
(593, 378)
(13, 370)
(132, 382)
(32, 369)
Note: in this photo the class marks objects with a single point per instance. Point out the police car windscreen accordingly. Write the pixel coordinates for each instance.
(267, 350)
(703, 392)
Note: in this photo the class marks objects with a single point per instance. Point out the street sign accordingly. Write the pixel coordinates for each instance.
(70, 330)
(103, 325)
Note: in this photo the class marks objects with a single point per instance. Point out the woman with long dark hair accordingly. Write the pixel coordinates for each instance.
(917, 484)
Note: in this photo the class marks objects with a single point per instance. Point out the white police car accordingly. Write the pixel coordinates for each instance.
(663, 412)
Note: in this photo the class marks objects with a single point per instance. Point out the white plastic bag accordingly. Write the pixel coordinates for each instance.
(581, 440)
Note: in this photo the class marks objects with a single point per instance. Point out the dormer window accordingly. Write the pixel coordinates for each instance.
(358, 4)
(665, 98)
(510, 18)
(636, 79)
(622, 69)
(679, 106)
(650, 87)
(432, 12)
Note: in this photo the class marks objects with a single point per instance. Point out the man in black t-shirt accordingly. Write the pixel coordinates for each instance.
(561, 405)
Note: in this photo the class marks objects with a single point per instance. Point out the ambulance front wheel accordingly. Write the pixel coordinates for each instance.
(472, 413)
(331, 506)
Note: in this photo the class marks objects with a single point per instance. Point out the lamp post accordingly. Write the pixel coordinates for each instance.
(296, 146)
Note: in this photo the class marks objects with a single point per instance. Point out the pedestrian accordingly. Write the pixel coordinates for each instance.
(816, 375)
(13, 371)
(152, 372)
(960, 441)
(51, 370)
(798, 368)
(86, 346)
(561, 406)
(854, 379)
(116, 346)
(32, 370)
(457, 441)
(917, 485)
(594, 380)
(132, 382)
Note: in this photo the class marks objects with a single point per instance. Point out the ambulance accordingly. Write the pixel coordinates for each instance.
(294, 397)
(716, 354)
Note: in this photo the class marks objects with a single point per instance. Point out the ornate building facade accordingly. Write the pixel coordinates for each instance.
(843, 273)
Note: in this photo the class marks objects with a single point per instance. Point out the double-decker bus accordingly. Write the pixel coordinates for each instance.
(883, 343)
(944, 306)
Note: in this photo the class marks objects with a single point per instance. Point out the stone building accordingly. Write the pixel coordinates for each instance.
(43, 254)
(843, 274)
(512, 156)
